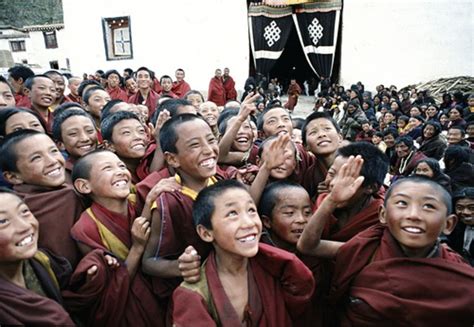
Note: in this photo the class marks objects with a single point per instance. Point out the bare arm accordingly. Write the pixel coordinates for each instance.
(158, 161)
(140, 235)
(345, 185)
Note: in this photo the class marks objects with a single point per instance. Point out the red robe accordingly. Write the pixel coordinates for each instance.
(169, 94)
(156, 86)
(280, 287)
(229, 86)
(216, 92)
(117, 94)
(22, 101)
(180, 88)
(49, 123)
(57, 210)
(111, 298)
(21, 306)
(72, 98)
(389, 287)
(143, 168)
(151, 101)
(294, 92)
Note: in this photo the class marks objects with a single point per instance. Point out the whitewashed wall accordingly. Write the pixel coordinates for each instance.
(198, 36)
(406, 41)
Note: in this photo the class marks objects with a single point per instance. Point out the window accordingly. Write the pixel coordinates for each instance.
(54, 64)
(117, 38)
(17, 46)
(50, 40)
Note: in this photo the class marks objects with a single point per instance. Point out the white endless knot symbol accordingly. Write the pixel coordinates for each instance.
(272, 33)
(315, 31)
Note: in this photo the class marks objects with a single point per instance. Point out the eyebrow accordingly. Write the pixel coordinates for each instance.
(17, 206)
(426, 197)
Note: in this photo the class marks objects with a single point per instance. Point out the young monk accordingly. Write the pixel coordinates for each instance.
(180, 86)
(124, 134)
(17, 76)
(145, 95)
(15, 119)
(242, 282)
(42, 94)
(60, 85)
(191, 150)
(386, 274)
(74, 132)
(103, 295)
(113, 86)
(294, 91)
(95, 98)
(73, 86)
(30, 279)
(7, 99)
(210, 112)
(166, 87)
(34, 165)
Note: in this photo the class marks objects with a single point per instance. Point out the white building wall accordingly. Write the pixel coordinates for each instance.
(198, 36)
(38, 54)
(406, 41)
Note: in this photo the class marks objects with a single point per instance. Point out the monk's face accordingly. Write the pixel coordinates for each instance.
(113, 80)
(322, 137)
(416, 215)
(43, 92)
(197, 151)
(210, 112)
(59, 84)
(277, 121)
(218, 73)
(179, 75)
(39, 162)
(79, 135)
(144, 80)
(131, 85)
(465, 210)
(244, 139)
(97, 101)
(195, 99)
(130, 139)
(18, 230)
(287, 168)
(23, 120)
(236, 226)
(166, 84)
(7, 98)
(289, 216)
(109, 177)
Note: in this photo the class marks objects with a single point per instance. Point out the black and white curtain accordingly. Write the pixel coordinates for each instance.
(269, 29)
(317, 25)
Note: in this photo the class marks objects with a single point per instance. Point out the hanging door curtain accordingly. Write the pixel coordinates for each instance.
(269, 29)
(317, 25)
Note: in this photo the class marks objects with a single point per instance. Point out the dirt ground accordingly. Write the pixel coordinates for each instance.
(304, 107)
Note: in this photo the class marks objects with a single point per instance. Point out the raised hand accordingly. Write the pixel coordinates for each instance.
(275, 152)
(155, 130)
(347, 181)
(248, 106)
(140, 232)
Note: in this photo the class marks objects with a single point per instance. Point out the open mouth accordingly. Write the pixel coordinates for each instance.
(26, 241)
(248, 239)
(413, 230)
(242, 140)
(47, 99)
(467, 219)
(120, 183)
(139, 146)
(208, 163)
(86, 147)
(323, 143)
(54, 173)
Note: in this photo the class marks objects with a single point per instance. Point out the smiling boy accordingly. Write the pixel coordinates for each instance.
(42, 94)
(242, 282)
(34, 165)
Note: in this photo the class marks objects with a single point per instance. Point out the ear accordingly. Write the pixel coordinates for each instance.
(108, 146)
(61, 146)
(172, 159)
(451, 222)
(266, 222)
(82, 186)
(205, 234)
(13, 177)
(382, 215)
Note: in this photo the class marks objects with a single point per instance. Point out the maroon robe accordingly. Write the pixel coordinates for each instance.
(22, 101)
(180, 88)
(388, 287)
(169, 94)
(57, 210)
(280, 287)
(21, 306)
(72, 98)
(229, 86)
(143, 168)
(151, 101)
(315, 174)
(68, 167)
(294, 92)
(117, 94)
(49, 123)
(156, 86)
(111, 298)
(216, 92)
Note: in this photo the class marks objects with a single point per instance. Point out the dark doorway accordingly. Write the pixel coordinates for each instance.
(292, 63)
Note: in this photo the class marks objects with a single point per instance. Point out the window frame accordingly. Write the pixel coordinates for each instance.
(49, 44)
(21, 45)
(108, 36)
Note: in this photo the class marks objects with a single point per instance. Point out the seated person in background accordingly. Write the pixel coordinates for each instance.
(430, 168)
(432, 144)
(407, 157)
(30, 279)
(462, 238)
(242, 282)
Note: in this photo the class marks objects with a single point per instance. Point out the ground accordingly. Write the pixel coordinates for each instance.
(304, 107)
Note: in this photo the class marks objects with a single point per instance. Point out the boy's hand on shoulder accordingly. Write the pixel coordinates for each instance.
(189, 264)
(165, 185)
(140, 232)
(346, 183)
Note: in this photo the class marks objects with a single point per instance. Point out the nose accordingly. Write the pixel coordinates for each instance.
(413, 213)
(23, 225)
(83, 136)
(247, 221)
(299, 218)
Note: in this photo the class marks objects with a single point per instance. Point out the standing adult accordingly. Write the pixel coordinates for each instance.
(294, 91)
(180, 86)
(216, 92)
(145, 95)
(229, 86)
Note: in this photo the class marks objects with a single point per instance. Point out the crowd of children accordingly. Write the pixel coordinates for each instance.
(132, 201)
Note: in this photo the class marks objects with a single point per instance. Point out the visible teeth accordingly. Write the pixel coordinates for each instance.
(323, 143)
(249, 238)
(242, 140)
(469, 219)
(138, 147)
(27, 240)
(55, 172)
(413, 230)
(85, 147)
(208, 163)
(120, 183)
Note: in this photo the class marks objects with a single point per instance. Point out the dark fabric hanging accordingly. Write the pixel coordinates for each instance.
(317, 25)
(269, 29)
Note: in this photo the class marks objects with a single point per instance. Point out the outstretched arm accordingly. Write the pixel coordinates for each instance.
(344, 186)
